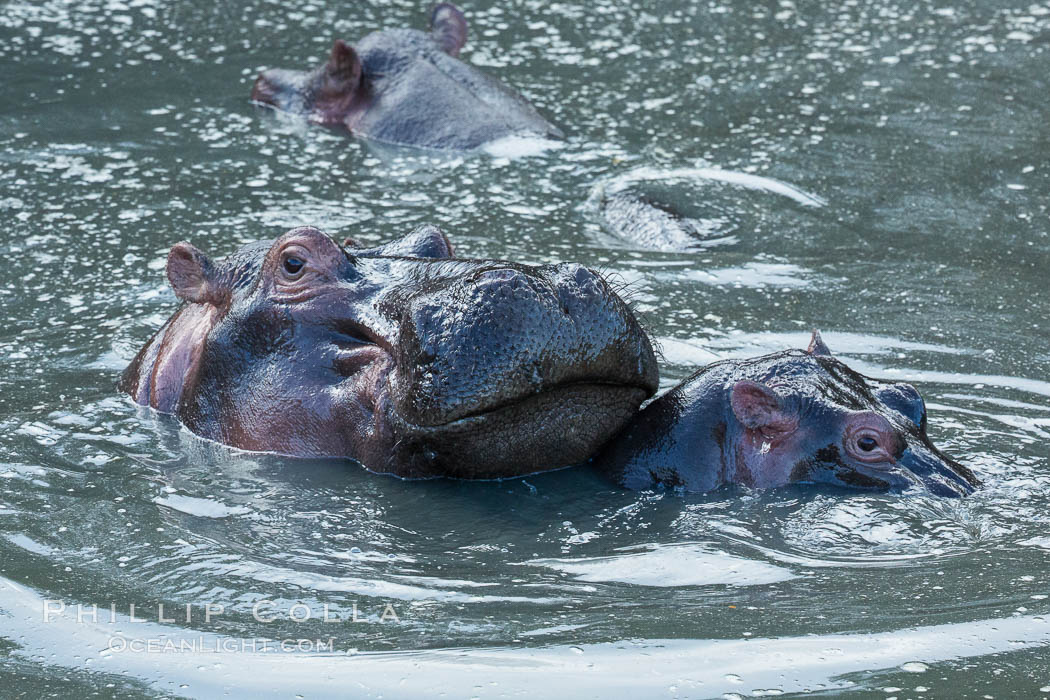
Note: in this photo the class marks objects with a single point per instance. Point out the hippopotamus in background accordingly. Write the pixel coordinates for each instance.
(400, 357)
(406, 87)
(647, 222)
(684, 209)
(789, 417)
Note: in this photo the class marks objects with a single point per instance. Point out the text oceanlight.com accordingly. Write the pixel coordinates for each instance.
(222, 645)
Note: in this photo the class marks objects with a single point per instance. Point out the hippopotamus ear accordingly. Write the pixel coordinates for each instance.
(905, 399)
(193, 276)
(427, 241)
(817, 346)
(344, 65)
(758, 407)
(448, 27)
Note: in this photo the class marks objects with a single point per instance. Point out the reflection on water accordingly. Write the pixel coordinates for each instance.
(874, 170)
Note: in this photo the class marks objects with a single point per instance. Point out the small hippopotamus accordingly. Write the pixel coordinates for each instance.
(406, 87)
(401, 357)
(648, 222)
(789, 417)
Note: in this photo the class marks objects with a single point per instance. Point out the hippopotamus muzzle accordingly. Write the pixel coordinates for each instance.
(410, 361)
(485, 353)
(929, 469)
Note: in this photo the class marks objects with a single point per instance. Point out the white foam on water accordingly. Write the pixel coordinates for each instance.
(200, 507)
(747, 345)
(702, 351)
(520, 146)
(29, 544)
(732, 177)
(666, 566)
(545, 631)
(754, 275)
(1032, 386)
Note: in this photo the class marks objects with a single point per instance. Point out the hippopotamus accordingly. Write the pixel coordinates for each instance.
(648, 222)
(406, 87)
(400, 356)
(789, 417)
(685, 209)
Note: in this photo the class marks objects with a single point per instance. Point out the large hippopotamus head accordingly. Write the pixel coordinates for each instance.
(399, 356)
(406, 87)
(790, 417)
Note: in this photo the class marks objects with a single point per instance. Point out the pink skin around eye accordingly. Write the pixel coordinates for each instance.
(869, 438)
(301, 280)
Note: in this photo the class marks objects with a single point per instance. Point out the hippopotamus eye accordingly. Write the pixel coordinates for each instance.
(871, 442)
(293, 265)
(867, 444)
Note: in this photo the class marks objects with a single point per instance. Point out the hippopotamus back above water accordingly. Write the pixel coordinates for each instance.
(406, 87)
(789, 417)
(409, 361)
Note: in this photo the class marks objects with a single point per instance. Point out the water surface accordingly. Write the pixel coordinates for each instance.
(917, 130)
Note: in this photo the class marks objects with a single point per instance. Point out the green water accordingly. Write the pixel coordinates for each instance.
(919, 130)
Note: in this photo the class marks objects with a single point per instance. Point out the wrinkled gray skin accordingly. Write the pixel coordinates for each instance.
(400, 357)
(406, 87)
(790, 417)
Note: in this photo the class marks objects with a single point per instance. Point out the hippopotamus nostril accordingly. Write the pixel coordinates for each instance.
(501, 285)
(585, 278)
(579, 290)
(581, 281)
(499, 275)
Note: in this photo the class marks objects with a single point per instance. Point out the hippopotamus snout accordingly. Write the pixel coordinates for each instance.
(528, 364)
(930, 469)
(281, 89)
(506, 333)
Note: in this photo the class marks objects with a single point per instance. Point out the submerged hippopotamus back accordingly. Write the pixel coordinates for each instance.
(790, 417)
(399, 356)
(406, 87)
